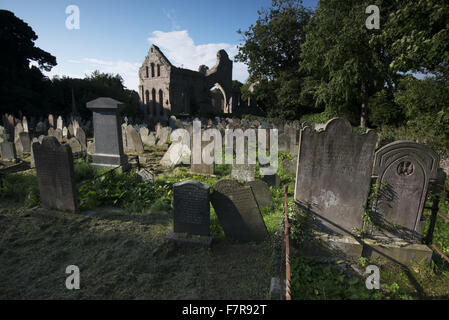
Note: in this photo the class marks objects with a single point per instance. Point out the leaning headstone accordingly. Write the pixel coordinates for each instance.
(261, 192)
(405, 169)
(243, 172)
(108, 135)
(238, 212)
(8, 149)
(191, 208)
(81, 136)
(145, 175)
(55, 175)
(333, 175)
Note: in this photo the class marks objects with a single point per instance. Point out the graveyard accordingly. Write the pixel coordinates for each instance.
(323, 175)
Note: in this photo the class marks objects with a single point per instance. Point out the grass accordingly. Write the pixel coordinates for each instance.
(123, 254)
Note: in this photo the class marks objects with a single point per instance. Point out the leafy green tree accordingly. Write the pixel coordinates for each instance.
(21, 82)
(418, 36)
(343, 57)
(271, 48)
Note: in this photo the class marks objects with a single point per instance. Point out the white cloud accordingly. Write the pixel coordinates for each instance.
(181, 50)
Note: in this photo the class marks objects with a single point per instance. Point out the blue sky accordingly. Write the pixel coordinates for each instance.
(115, 36)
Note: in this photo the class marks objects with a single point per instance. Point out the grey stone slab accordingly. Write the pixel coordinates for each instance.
(8, 149)
(55, 175)
(333, 175)
(238, 212)
(25, 141)
(405, 169)
(261, 192)
(81, 137)
(191, 208)
(133, 139)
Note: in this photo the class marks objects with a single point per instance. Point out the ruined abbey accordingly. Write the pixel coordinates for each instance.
(166, 90)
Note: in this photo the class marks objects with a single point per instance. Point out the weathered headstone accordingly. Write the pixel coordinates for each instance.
(163, 136)
(261, 192)
(284, 142)
(333, 175)
(202, 168)
(55, 175)
(134, 141)
(32, 162)
(8, 149)
(25, 124)
(81, 136)
(51, 121)
(148, 138)
(238, 212)
(25, 141)
(290, 165)
(108, 135)
(59, 123)
(75, 145)
(145, 175)
(191, 208)
(404, 169)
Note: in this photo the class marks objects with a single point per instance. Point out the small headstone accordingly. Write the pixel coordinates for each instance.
(133, 140)
(75, 145)
(289, 165)
(71, 130)
(202, 168)
(191, 208)
(405, 169)
(25, 124)
(59, 123)
(65, 132)
(163, 136)
(145, 175)
(25, 141)
(261, 192)
(8, 149)
(32, 163)
(90, 147)
(238, 212)
(55, 175)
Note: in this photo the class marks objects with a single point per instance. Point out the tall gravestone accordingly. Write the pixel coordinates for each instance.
(55, 175)
(191, 208)
(333, 175)
(8, 151)
(108, 135)
(238, 211)
(404, 169)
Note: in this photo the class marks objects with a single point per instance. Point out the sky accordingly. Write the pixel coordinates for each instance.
(115, 36)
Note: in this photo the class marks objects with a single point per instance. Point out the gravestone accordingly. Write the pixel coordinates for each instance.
(41, 127)
(272, 180)
(145, 175)
(59, 123)
(148, 138)
(65, 132)
(75, 145)
(51, 121)
(333, 175)
(163, 136)
(24, 138)
(81, 136)
(405, 169)
(55, 175)
(25, 124)
(134, 141)
(202, 168)
(284, 142)
(124, 138)
(8, 149)
(191, 208)
(292, 133)
(107, 134)
(71, 130)
(238, 212)
(261, 192)
(289, 165)
(32, 163)
(90, 147)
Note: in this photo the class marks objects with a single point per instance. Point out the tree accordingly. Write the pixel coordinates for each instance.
(271, 48)
(341, 54)
(20, 81)
(418, 36)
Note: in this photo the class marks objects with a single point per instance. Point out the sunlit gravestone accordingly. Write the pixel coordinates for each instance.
(108, 134)
(55, 175)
